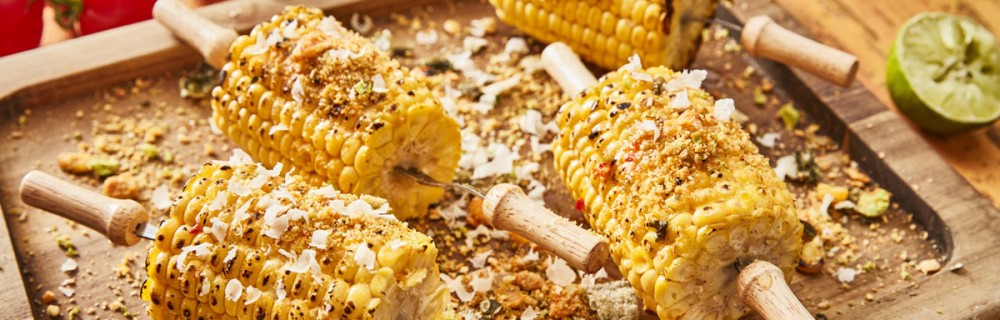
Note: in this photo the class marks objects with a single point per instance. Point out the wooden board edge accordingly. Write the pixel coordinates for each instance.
(16, 304)
(945, 198)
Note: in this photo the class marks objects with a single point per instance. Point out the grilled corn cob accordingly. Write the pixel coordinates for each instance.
(241, 241)
(606, 33)
(303, 90)
(678, 188)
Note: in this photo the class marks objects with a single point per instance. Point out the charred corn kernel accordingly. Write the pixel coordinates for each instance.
(279, 271)
(680, 194)
(608, 32)
(333, 97)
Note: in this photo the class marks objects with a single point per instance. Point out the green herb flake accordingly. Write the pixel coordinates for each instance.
(873, 203)
(439, 65)
(759, 98)
(148, 150)
(103, 167)
(362, 88)
(789, 115)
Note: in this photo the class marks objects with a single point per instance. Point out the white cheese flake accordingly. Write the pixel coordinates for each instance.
(427, 37)
(234, 289)
(499, 87)
(843, 205)
(279, 289)
(846, 275)
(479, 260)
(529, 314)
(587, 280)
(161, 198)
(329, 26)
(66, 291)
(252, 295)
(649, 126)
(532, 255)
(824, 207)
(681, 100)
(559, 272)
(320, 239)
(298, 92)
(502, 162)
(219, 202)
(786, 167)
(230, 255)
(276, 171)
(634, 63)
(290, 30)
(378, 84)
(482, 281)
(689, 79)
(364, 256)
(456, 286)
(724, 109)
(769, 139)
(69, 265)
(474, 44)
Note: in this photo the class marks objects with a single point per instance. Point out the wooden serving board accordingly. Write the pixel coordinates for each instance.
(57, 81)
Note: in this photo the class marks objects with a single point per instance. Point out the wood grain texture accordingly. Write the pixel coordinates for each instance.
(761, 286)
(866, 28)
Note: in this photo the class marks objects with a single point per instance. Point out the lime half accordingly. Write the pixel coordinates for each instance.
(944, 73)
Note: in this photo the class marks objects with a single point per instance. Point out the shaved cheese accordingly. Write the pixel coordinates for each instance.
(642, 76)
(482, 281)
(219, 229)
(454, 211)
(383, 40)
(502, 162)
(529, 314)
(846, 275)
(364, 256)
(201, 251)
(588, 280)
(290, 30)
(277, 225)
(689, 79)
(257, 182)
(329, 26)
(515, 45)
(427, 37)
(240, 157)
(234, 289)
(480, 230)
(456, 286)
(680, 101)
(531, 64)
(378, 84)
(559, 272)
(785, 167)
(499, 87)
(276, 171)
(205, 285)
(69, 265)
(283, 193)
(326, 191)
(320, 239)
(272, 38)
(241, 212)
(846, 204)
(257, 47)
(769, 139)
(297, 214)
(531, 122)
(634, 63)
(474, 44)
(824, 207)
(486, 103)
(287, 254)
(649, 126)
(161, 198)
(724, 109)
(66, 291)
(395, 244)
(536, 192)
(230, 255)
(479, 260)
(532, 255)
(305, 262)
(537, 147)
(279, 289)
(219, 202)
(479, 27)
(238, 188)
(526, 169)
(252, 295)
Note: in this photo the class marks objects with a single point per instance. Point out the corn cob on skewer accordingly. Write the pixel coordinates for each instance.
(303, 90)
(606, 33)
(242, 241)
(681, 195)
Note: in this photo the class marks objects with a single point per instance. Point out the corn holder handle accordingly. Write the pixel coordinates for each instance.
(208, 38)
(761, 285)
(763, 37)
(506, 207)
(116, 219)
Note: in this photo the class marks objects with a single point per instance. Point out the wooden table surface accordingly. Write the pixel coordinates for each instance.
(866, 28)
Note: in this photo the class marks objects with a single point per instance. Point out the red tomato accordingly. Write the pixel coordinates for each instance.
(20, 25)
(100, 15)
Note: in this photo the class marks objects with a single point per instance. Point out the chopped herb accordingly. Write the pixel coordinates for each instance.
(789, 115)
(439, 65)
(470, 90)
(873, 203)
(167, 156)
(199, 83)
(759, 98)
(805, 162)
(658, 85)
(362, 88)
(661, 229)
(103, 167)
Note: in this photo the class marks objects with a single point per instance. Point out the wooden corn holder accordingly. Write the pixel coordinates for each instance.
(116, 219)
(763, 37)
(210, 39)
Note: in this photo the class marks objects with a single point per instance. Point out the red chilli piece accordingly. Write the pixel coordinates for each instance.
(580, 205)
(196, 229)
